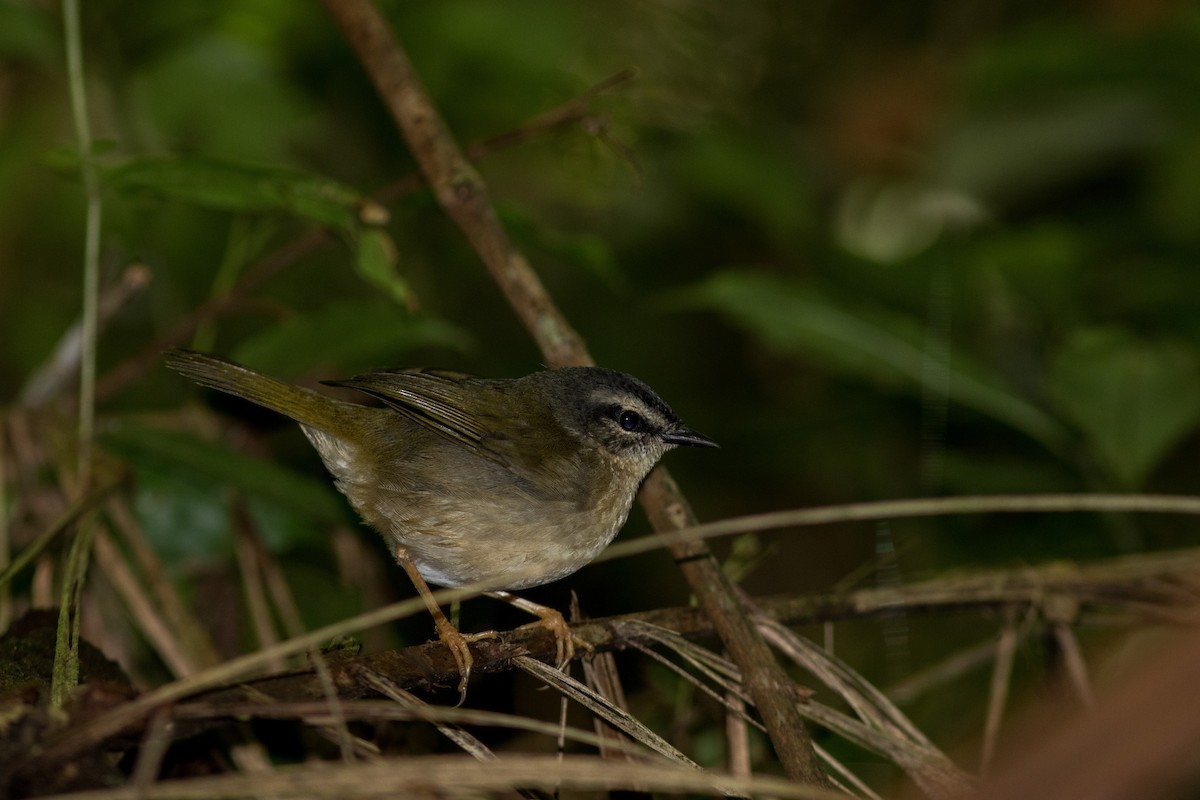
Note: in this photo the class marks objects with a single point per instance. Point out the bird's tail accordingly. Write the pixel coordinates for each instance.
(305, 406)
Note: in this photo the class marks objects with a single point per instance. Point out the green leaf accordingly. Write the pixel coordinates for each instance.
(888, 349)
(26, 33)
(375, 259)
(1134, 400)
(230, 186)
(347, 333)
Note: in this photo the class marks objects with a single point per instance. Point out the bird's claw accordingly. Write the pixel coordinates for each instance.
(458, 645)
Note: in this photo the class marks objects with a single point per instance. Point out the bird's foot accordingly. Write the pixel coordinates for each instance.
(549, 618)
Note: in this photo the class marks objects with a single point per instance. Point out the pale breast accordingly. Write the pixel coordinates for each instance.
(504, 540)
(464, 518)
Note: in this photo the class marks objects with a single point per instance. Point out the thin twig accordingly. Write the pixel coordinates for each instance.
(1006, 649)
(455, 183)
(262, 569)
(1188, 505)
(155, 742)
(313, 712)
(601, 676)
(99, 729)
(77, 510)
(62, 369)
(132, 369)
(457, 777)
(187, 629)
(163, 638)
(737, 737)
(957, 664)
(928, 766)
(1074, 662)
(91, 246)
(1138, 742)
(466, 740)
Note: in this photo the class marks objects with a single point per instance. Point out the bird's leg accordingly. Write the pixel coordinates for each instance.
(447, 633)
(550, 618)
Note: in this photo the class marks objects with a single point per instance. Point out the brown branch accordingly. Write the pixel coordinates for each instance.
(455, 183)
(464, 197)
(1143, 581)
(764, 679)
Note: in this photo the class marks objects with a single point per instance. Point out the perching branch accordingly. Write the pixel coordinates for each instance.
(1155, 585)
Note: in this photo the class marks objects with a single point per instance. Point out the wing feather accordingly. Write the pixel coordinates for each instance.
(433, 398)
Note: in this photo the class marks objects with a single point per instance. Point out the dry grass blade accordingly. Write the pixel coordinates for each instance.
(455, 776)
(886, 729)
(601, 706)
(100, 728)
(262, 576)
(600, 672)
(77, 510)
(998, 694)
(737, 736)
(155, 743)
(871, 705)
(725, 674)
(142, 608)
(911, 508)
(1074, 663)
(842, 776)
(255, 596)
(616, 717)
(721, 671)
(469, 743)
(1138, 742)
(931, 771)
(185, 627)
(955, 665)
(601, 675)
(315, 712)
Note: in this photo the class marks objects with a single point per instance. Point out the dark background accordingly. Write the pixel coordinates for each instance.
(875, 250)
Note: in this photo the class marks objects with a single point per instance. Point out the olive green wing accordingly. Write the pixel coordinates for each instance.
(485, 416)
(443, 401)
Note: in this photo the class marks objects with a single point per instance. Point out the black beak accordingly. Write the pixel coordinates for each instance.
(682, 435)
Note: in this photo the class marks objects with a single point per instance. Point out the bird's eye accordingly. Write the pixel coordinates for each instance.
(629, 420)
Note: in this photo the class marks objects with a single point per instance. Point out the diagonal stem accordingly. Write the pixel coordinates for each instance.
(463, 195)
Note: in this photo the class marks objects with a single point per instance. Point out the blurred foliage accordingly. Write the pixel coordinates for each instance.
(875, 251)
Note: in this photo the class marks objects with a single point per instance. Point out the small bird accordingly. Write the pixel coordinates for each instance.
(512, 483)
